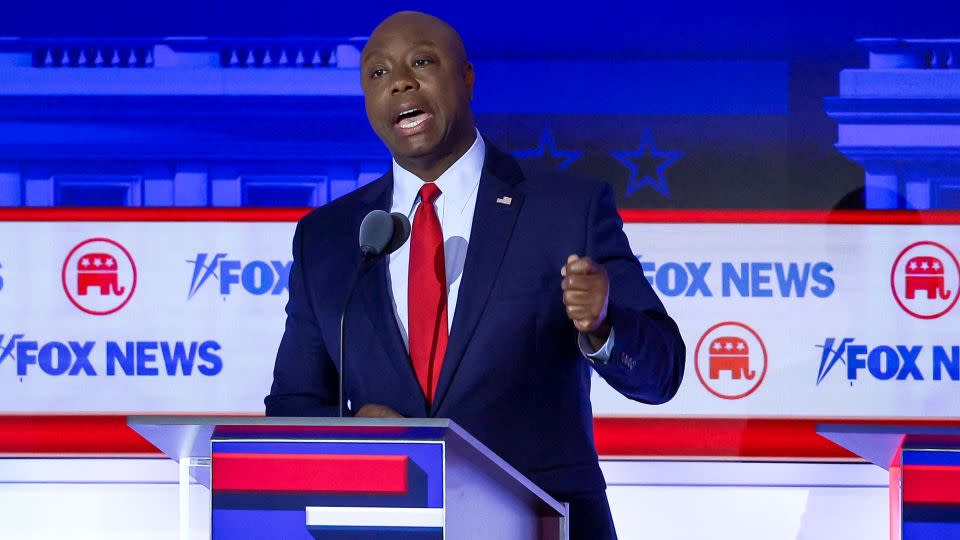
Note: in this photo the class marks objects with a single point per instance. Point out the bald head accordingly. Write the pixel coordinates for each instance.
(417, 86)
(414, 22)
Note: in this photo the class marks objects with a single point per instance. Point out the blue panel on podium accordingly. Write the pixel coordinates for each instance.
(315, 488)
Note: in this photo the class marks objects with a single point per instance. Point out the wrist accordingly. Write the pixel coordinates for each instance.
(599, 336)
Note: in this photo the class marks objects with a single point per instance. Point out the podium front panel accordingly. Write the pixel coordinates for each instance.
(264, 489)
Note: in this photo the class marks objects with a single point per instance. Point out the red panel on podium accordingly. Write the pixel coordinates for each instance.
(931, 484)
(304, 473)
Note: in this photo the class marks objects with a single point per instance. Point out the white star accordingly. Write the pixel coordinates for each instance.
(84, 262)
(716, 346)
(924, 265)
(729, 346)
(740, 346)
(110, 262)
(96, 262)
(913, 265)
(936, 265)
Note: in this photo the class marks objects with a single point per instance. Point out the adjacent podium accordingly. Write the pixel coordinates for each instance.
(924, 465)
(350, 479)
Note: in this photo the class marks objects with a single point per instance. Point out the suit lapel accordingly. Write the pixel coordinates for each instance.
(377, 299)
(498, 205)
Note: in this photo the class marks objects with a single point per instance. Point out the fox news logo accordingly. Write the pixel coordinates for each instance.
(744, 279)
(889, 362)
(128, 358)
(254, 277)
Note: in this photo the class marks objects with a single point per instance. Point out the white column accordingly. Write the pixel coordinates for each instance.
(880, 190)
(918, 194)
(10, 192)
(190, 185)
(158, 186)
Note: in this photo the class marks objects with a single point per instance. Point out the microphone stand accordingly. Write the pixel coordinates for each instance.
(380, 234)
(367, 261)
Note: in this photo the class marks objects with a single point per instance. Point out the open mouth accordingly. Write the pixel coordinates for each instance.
(411, 118)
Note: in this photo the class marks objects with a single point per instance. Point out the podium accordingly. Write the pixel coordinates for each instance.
(924, 465)
(355, 478)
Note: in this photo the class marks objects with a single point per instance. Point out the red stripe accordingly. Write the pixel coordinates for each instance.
(788, 438)
(298, 473)
(153, 214)
(630, 215)
(70, 435)
(308, 431)
(836, 217)
(931, 484)
(725, 438)
(731, 438)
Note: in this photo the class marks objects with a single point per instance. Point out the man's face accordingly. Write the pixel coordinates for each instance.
(417, 87)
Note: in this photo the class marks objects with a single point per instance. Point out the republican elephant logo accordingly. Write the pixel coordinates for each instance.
(99, 276)
(925, 279)
(731, 360)
(730, 353)
(98, 270)
(926, 274)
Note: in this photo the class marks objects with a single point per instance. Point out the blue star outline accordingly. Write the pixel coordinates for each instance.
(646, 150)
(547, 150)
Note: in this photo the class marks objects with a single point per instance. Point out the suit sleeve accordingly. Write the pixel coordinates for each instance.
(304, 376)
(648, 356)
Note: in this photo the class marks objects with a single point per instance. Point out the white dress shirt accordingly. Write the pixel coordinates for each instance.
(455, 206)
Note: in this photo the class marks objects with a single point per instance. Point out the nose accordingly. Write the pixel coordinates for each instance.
(403, 81)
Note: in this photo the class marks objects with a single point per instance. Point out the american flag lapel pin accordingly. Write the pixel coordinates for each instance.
(504, 200)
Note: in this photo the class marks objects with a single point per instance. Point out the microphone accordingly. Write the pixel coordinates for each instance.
(380, 234)
(401, 232)
(376, 229)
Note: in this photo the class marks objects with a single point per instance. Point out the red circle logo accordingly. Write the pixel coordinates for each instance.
(925, 279)
(731, 360)
(99, 276)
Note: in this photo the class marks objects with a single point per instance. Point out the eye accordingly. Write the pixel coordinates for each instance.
(420, 62)
(377, 73)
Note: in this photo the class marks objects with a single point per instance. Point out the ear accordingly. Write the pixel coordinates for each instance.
(468, 78)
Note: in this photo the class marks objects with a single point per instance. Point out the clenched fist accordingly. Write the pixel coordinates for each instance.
(586, 292)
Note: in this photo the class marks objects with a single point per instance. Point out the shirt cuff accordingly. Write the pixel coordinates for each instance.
(599, 356)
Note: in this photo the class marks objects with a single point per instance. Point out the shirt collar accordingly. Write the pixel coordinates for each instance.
(456, 183)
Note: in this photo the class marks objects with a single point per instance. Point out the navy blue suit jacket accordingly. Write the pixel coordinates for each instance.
(513, 375)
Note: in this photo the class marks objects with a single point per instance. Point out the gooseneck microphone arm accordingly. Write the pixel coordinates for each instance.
(366, 262)
(380, 234)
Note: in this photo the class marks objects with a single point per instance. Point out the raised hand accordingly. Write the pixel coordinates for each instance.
(586, 291)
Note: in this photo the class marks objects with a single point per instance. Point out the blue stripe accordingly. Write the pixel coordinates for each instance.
(931, 513)
(931, 458)
(292, 525)
(377, 533)
(415, 498)
(642, 88)
(930, 531)
(259, 524)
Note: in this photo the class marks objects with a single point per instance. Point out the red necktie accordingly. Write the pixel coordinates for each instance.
(427, 293)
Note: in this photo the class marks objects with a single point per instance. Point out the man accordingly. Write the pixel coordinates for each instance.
(512, 287)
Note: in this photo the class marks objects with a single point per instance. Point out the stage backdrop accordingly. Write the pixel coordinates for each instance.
(785, 315)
